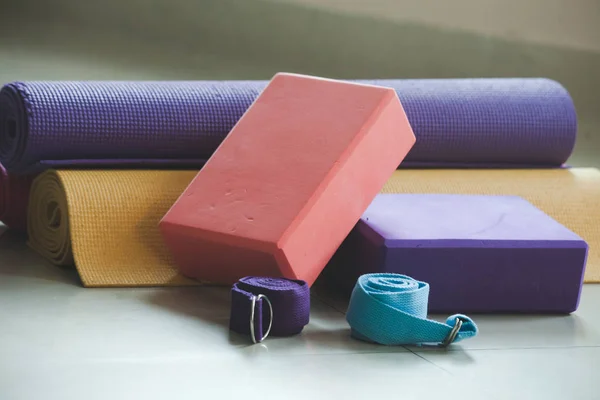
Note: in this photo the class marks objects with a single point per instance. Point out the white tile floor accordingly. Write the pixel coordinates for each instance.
(60, 341)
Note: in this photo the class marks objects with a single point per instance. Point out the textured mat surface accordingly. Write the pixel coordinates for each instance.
(570, 196)
(106, 223)
(462, 121)
(14, 196)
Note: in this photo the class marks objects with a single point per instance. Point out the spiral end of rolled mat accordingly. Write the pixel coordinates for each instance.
(105, 222)
(391, 309)
(48, 219)
(13, 124)
(262, 306)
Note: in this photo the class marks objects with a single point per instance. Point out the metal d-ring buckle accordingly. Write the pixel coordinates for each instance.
(254, 300)
(452, 335)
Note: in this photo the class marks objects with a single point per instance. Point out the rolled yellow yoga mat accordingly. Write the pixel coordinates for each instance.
(106, 221)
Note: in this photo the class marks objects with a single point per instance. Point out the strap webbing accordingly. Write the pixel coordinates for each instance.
(391, 309)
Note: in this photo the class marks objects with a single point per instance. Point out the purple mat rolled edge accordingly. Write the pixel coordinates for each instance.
(511, 122)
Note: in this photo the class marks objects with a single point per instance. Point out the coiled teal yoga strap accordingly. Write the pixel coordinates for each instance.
(391, 309)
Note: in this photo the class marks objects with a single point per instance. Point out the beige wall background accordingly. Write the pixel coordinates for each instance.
(567, 23)
(253, 39)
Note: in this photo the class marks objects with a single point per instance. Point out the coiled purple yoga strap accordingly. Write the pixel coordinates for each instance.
(262, 306)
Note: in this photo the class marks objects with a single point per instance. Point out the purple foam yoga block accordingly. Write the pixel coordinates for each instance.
(478, 253)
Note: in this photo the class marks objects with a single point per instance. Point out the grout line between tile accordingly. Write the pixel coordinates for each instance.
(322, 301)
(428, 361)
(480, 389)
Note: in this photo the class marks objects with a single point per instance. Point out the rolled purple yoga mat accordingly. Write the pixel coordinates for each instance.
(460, 122)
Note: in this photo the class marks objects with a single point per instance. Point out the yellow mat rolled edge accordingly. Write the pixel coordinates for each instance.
(47, 219)
(101, 219)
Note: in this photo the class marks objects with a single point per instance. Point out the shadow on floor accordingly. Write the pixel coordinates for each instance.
(209, 304)
(18, 260)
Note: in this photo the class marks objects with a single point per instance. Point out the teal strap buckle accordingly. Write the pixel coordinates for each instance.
(453, 333)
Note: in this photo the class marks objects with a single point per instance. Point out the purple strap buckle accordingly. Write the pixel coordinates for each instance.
(253, 307)
(287, 307)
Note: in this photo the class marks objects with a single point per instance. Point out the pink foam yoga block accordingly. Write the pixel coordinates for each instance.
(478, 253)
(289, 182)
